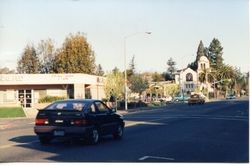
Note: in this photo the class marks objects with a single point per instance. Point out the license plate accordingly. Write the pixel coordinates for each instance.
(58, 133)
(58, 121)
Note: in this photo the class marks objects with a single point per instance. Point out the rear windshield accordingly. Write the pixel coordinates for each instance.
(66, 106)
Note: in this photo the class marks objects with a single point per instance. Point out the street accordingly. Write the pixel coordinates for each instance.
(213, 132)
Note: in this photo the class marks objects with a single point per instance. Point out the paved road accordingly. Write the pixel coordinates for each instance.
(214, 132)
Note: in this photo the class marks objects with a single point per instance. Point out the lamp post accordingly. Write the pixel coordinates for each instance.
(125, 68)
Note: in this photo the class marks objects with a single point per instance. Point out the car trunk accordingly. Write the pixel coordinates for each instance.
(60, 117)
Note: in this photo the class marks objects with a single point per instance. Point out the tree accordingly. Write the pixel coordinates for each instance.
(99, 70)
(201, 51)
(170, 70)
(115, 70)
(226, 74)
(46, 53)
(6, 70)
(206, 76)
(138, 84)
(240, 82)
(172, 89)
(114, 84)
(75, 56)
(131, 70)
(29, 62)
(156, 77)
(215, 53)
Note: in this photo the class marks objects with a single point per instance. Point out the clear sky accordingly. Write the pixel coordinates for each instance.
(177, 27)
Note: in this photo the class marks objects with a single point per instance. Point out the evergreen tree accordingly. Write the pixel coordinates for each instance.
(115, 70)
(29, 62)
(201, 51)
(75, 56)
(170, 70)
(99, 70)
(215, 53)
(131, 70)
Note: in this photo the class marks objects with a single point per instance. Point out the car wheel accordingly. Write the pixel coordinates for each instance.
(93, 137)
(44, 140)
(118, 133)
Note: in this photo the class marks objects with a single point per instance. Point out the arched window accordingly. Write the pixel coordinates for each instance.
(189, 77)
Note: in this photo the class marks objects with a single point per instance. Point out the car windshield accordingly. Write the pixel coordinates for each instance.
(66, 106)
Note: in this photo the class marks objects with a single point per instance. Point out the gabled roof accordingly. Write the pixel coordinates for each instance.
(182, 70)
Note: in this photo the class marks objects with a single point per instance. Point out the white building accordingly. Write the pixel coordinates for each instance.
(188, 79)
(26, 89)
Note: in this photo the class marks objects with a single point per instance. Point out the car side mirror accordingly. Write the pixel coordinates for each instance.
(113, 110)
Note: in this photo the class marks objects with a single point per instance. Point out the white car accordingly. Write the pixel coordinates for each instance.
(167, 99)
(231, 96)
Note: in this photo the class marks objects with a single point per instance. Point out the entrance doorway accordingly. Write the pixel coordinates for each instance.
(25, 97)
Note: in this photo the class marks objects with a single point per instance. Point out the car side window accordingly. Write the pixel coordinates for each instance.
(92, 108)
(102, 108)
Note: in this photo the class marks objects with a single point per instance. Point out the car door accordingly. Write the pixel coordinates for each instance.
(105, 117)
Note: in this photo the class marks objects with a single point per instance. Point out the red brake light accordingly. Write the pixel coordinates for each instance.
(42, 121)
(79, 122)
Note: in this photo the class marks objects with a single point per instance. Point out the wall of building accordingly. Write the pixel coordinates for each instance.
(28, 88)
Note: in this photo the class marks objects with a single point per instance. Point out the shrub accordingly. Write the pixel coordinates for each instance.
(131, 105)
(155, 104)
(49, 99)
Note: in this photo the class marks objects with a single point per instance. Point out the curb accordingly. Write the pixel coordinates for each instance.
(143, 109)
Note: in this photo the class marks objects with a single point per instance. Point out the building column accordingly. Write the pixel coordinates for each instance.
(79, 91)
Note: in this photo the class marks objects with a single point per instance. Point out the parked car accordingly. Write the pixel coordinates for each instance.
(196, 99)
(84, 119)
(231, 96)
(180, 98)
(167, 99)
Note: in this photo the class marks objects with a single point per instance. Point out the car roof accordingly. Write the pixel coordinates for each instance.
(78, 100)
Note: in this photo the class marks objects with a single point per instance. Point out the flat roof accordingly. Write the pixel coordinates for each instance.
(40, 79)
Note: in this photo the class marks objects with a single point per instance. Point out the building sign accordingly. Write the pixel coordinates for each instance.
(10, 77)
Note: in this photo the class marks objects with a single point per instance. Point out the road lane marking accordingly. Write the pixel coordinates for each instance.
(154, 157)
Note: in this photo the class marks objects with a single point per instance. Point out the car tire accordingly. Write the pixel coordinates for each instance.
(118, 134)
(44, 140)
(94, 136)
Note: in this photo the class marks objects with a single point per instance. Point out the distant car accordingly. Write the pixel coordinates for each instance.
(231, 96)
(83, 119)
(180, 98)
(167, 99)
(196, 99)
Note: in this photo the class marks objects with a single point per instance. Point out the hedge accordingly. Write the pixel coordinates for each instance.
(49, 99)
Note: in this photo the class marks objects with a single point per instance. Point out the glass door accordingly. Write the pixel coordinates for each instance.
(25, 97)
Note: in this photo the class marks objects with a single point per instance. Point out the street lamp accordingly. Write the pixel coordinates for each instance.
(125, 68)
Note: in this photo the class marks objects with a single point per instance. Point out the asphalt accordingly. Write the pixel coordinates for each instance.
(214, 132)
